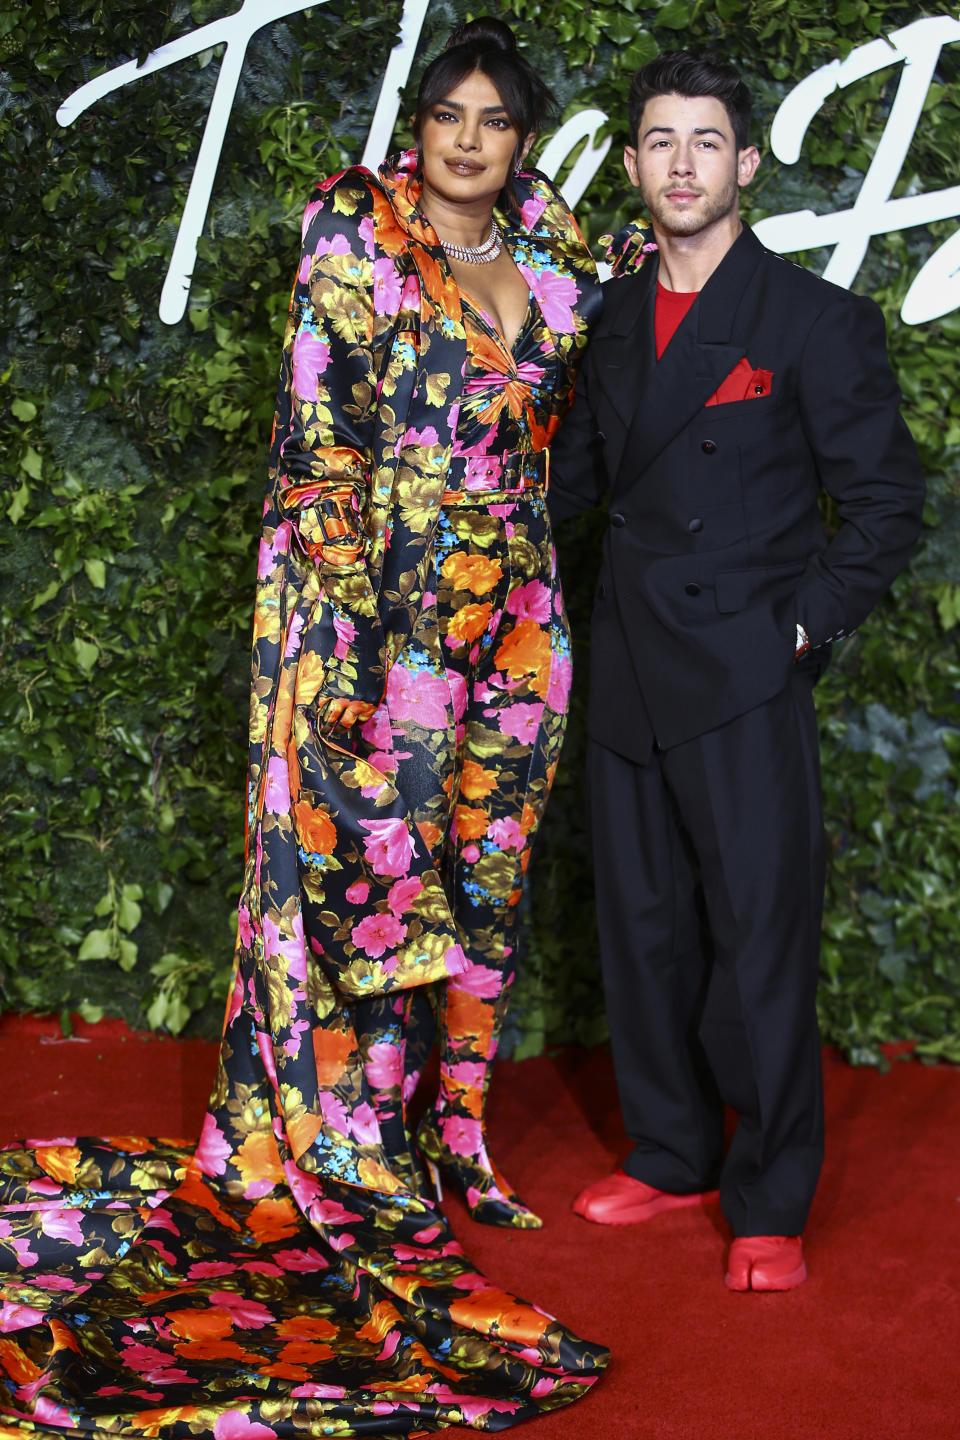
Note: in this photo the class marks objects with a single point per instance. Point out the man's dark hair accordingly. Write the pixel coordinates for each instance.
(691, 73)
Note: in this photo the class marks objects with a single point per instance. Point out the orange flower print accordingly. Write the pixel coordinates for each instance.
(476, 573)
(306, 1327)
(471, 824)
(470, 621)
(211, 1324)
(273, 1219)
(476, 782)
(316, 830)
(59, 1162)
(526, 651)
(331, 1051)
(259, 1163)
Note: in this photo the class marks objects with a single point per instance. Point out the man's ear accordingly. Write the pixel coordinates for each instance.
(630, 165)
(747, 162)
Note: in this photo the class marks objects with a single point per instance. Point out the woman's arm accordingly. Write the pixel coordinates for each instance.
(323, 430)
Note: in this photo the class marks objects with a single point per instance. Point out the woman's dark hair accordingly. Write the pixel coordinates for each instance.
(690, 73)
(488, 45)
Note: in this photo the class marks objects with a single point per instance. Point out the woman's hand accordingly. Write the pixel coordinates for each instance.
(345, 713)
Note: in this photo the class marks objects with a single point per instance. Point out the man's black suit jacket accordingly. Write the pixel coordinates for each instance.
(716, 548)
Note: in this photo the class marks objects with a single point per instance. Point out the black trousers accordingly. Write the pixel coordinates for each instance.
(710, 873)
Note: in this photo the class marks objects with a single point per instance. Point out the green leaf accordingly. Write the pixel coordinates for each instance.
(96, 573)
(129, 913)
(18, 505)
(97, 945)
(24, 410)
(674, 16)
(128, 954)
(31, 462)
(86, 653)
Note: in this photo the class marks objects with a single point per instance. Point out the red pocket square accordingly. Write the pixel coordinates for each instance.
(743, 383)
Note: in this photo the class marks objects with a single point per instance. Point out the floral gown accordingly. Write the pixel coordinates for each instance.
(285, 1278)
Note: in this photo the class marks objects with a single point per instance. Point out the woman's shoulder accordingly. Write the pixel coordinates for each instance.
(342, 202)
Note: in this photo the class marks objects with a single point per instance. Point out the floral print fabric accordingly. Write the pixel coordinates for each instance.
(285, 1278)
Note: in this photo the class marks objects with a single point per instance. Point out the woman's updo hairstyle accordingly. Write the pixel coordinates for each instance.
(488, 45)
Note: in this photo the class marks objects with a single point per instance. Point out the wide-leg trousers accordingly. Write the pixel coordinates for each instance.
(710, 873)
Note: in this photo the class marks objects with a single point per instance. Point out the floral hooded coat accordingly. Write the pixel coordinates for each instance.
(366, 426)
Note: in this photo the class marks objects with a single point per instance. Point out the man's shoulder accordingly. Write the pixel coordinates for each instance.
(796, 284)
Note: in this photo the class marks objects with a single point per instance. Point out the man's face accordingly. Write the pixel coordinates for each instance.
(686, 163)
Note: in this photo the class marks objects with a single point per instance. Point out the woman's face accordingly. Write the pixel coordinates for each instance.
(468, 144)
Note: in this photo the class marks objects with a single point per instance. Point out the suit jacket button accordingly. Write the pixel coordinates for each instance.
(693, 588)
(708, 446)
(695, 526)
(617, 519)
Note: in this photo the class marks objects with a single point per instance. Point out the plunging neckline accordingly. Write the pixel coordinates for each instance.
(487, 319)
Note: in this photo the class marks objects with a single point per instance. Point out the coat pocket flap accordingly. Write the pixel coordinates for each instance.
(736, 589)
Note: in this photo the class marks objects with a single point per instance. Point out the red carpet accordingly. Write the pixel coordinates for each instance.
(868, 1349)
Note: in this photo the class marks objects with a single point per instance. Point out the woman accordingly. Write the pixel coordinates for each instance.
(409, 672)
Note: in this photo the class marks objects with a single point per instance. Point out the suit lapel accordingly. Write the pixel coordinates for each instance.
(664, 396)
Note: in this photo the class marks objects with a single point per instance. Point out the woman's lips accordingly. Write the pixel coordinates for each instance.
(463, 167)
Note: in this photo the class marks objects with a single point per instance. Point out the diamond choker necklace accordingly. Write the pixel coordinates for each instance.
(477, 254)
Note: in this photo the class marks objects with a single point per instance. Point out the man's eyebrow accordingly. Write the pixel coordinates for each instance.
(671, 130)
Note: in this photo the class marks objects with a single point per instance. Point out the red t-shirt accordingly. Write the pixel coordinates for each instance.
(670, 309)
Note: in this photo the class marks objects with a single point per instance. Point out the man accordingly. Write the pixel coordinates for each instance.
(724, 387)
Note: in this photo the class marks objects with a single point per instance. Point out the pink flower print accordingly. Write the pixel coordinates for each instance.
(483, 472)
(530, 602)
(318, 1392)
(454, 960)
(245, 1314)
(357, 892)
(237, 1425)
(389, 846)
(276, 798)
(558, 686)
(458, 693)
(522, 721)
(378, 933)
(211, 1269)
(289, 950)
(346, 634)
(331, 1212)
(471, 1407)
(62, 1225)
(544, 1386)
(265, 1046)
(506, 834)
(376, 731)
(532, 210)
(294, 636)
(244, 927)
(308, 215)
(364, 1125)
(311, 356)
(403, 893)
(49, 1413)
(419, 696)
(301, 1261)
(21, 1247)
(480, 980)
(471, 1282)
(365, 231)
(556, 296)
(462, 1135)
(384, 1065)
(471, 853)
(333, 1110)
(422, 439)
(469, 1072)
(18, 1317)
(386, 287)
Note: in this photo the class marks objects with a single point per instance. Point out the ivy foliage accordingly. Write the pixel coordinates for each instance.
(132, 471)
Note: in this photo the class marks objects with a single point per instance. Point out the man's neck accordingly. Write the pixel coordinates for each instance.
(688, 261)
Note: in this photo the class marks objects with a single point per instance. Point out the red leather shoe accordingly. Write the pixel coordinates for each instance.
(766, 1262)
(618, 1199)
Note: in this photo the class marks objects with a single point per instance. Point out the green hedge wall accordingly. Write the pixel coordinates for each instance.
(132, 466)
